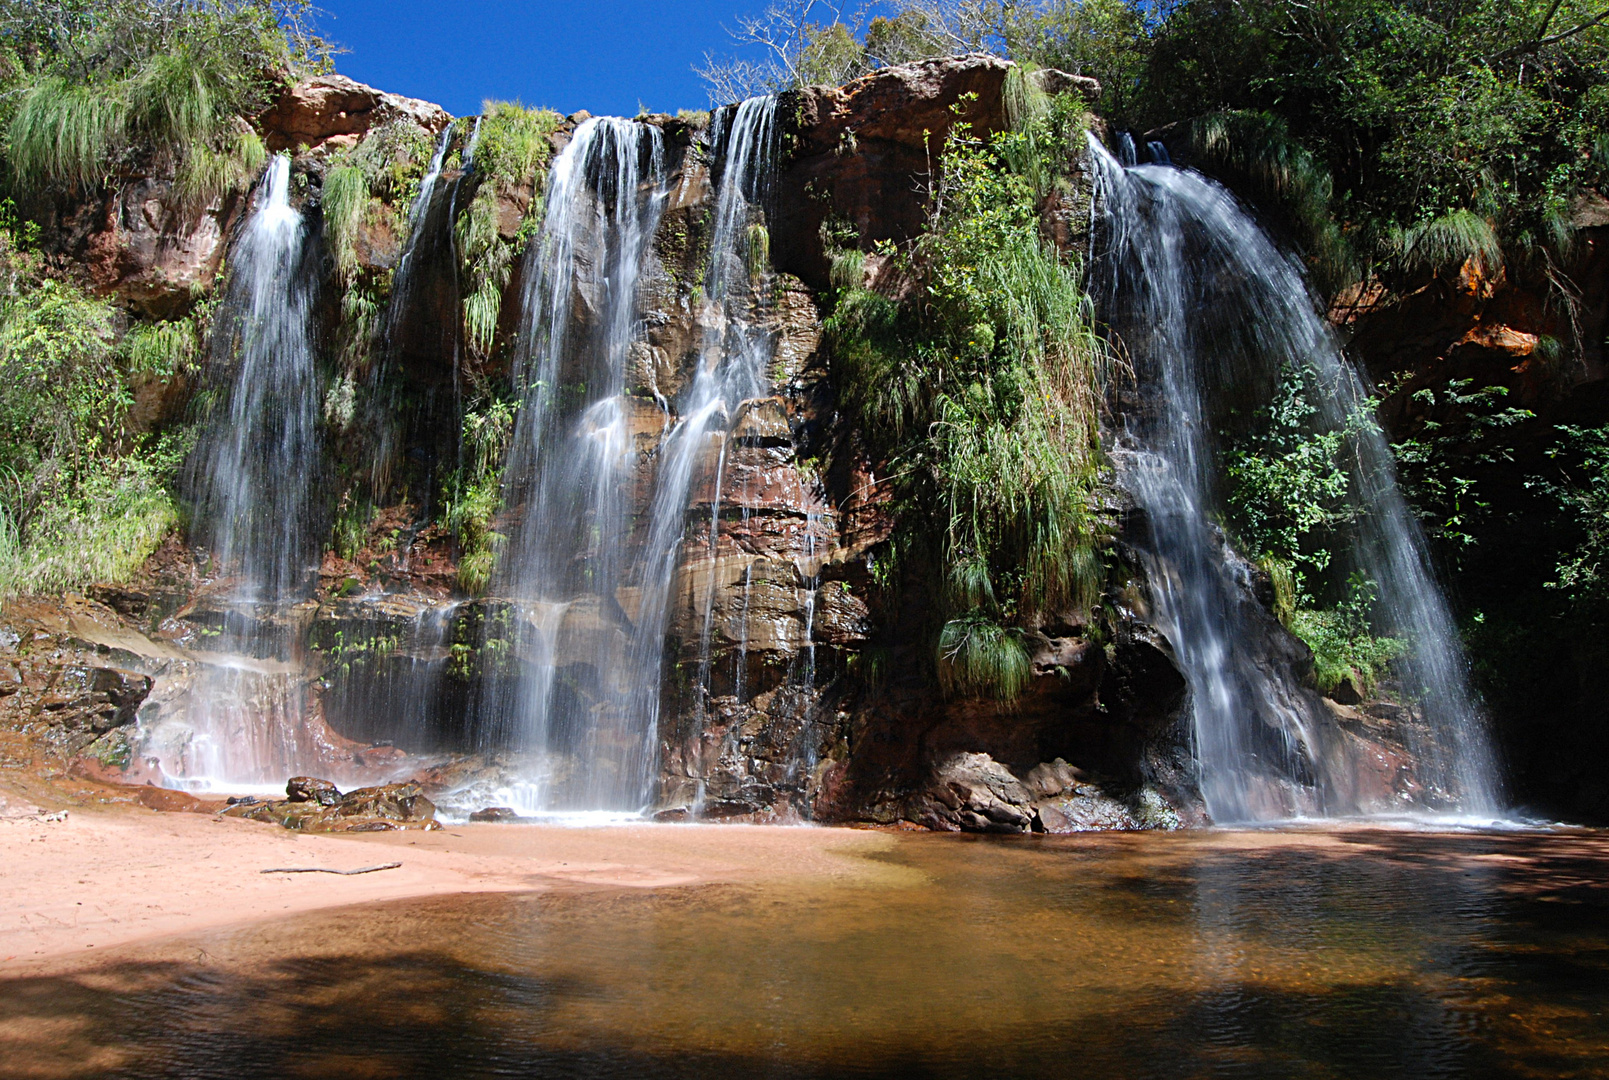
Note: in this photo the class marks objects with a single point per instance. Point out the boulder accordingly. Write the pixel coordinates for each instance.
(974, 793)
(371, 809)
(334, 106)
(312, 789)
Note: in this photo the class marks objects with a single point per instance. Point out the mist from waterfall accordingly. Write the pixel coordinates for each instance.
(253, 480)
(1211, 312)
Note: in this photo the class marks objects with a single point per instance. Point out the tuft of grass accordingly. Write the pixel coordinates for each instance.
(66, 133)
(1446, 242)
(759, 238)
(1283, 177)
(180, 103)
(178, 98)
(474, 493)
(978, 657)
(207, 173)
(345, 202)
(486, 262)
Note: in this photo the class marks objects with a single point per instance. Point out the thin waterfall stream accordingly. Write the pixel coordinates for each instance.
(1210, 310)
(253, 482)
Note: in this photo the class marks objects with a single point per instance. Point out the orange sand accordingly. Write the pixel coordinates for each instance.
(113, 877)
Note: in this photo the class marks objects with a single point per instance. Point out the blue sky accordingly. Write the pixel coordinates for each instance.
(605, 56)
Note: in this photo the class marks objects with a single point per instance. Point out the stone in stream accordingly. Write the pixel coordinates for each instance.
(495, 813)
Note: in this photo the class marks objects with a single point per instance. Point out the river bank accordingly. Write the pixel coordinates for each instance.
(102, 878)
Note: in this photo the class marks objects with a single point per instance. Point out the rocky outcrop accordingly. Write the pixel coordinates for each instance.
(862, 153)
(333, 109)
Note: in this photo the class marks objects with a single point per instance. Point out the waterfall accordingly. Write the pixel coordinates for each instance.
(570, 476)
(588, 569)
(252, 479)
(1211, 312)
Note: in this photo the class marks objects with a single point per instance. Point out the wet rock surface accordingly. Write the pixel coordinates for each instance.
(315, 805)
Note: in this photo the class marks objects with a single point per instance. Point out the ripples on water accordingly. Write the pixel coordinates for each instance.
(1362, 954)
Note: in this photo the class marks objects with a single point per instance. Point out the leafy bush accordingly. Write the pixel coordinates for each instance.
(1447, 455)
(1582, 491)
(82, 497)
(1288, 486)
(1343, 642)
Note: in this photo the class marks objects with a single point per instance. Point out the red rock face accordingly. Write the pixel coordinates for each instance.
(863, 151)
(335, 107)
(1471, 325)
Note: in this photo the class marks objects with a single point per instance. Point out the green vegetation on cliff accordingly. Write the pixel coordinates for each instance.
(85, 493)
(980, 392)
(92, 87)
(91, 91)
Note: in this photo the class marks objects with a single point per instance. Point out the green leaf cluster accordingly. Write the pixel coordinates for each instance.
(1581, 490)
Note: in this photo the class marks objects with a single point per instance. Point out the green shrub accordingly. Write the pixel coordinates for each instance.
(1343, 642)
(513, 146)
(102, 528)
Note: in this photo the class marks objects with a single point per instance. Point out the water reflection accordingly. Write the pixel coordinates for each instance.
(1373, 954)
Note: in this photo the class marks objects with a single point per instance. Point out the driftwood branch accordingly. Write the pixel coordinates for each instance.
(325, 870)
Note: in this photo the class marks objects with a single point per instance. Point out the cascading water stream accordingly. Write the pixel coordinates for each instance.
(590, 574)
(1209, 310)
(252, 478)
(570, 472)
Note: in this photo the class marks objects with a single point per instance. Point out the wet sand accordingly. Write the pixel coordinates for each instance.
(102, 879)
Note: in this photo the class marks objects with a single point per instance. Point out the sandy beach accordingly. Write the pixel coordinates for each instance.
(104, 878)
